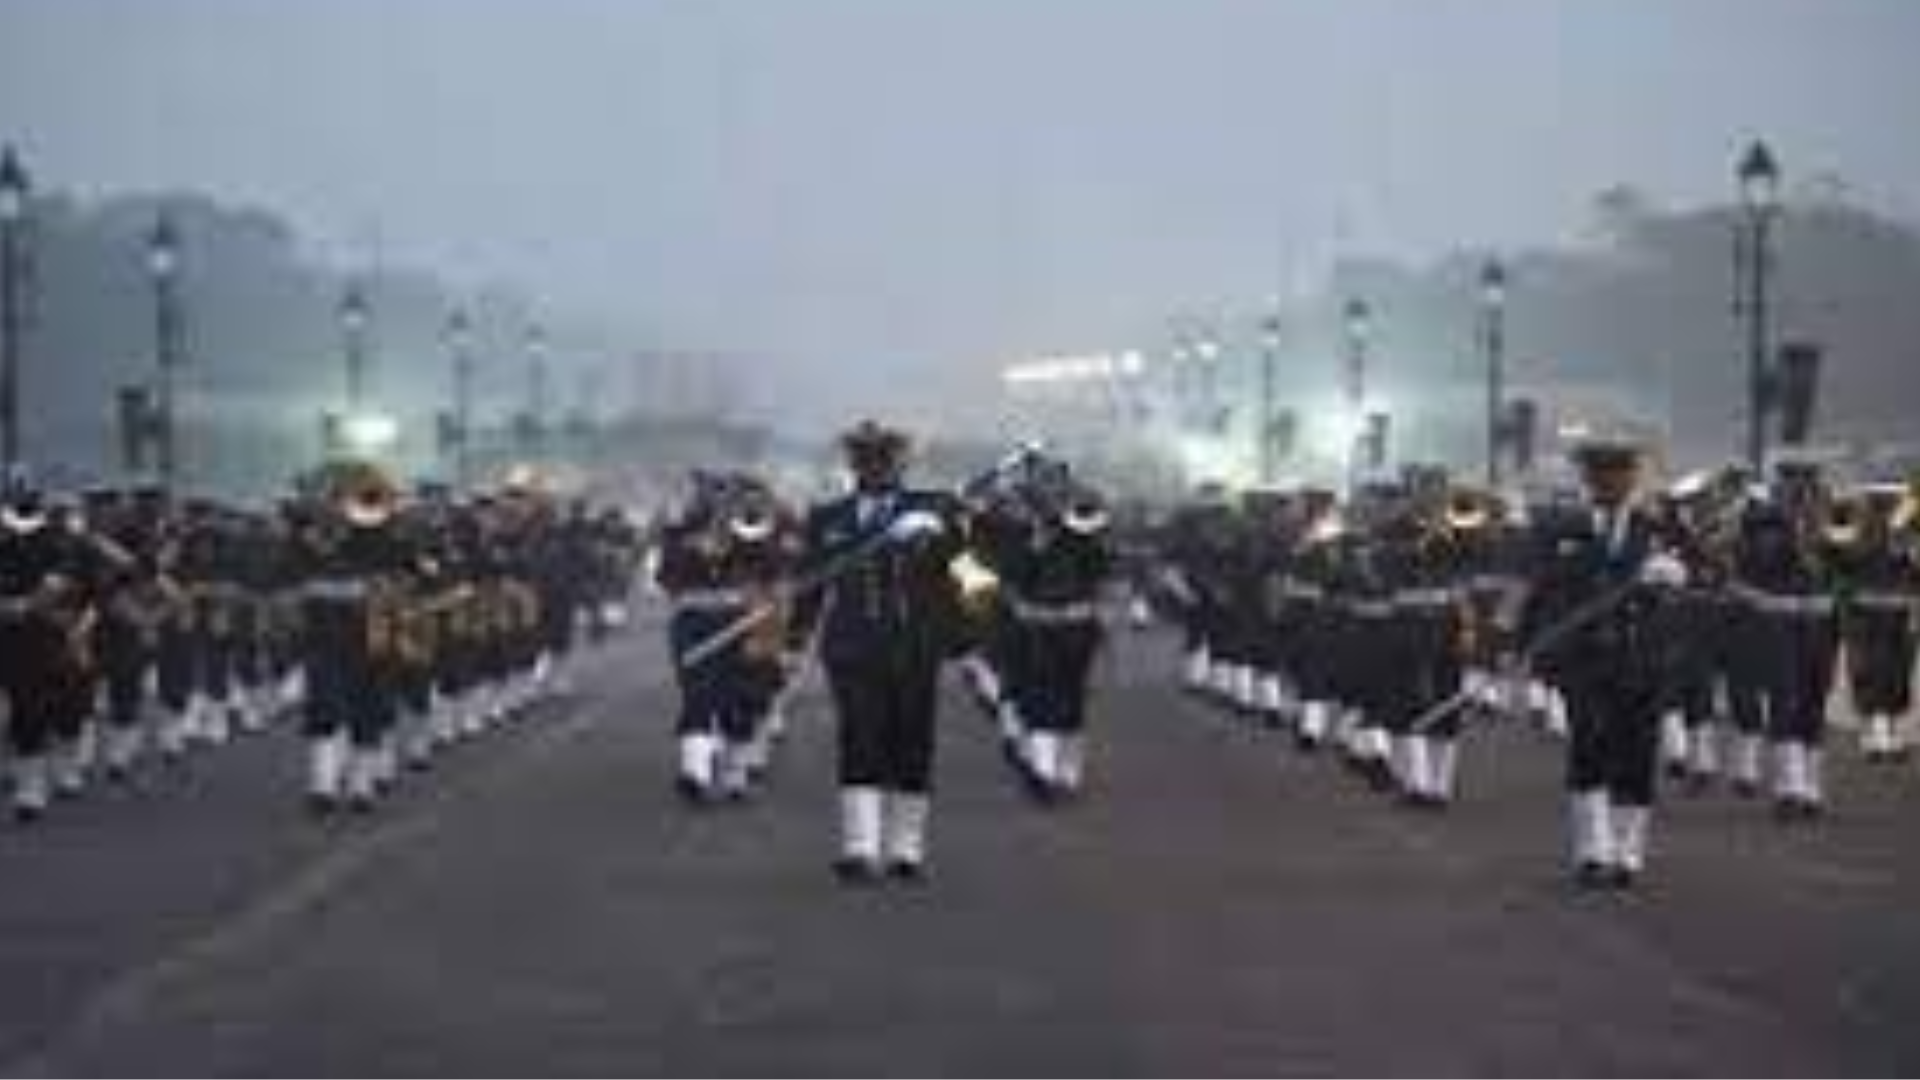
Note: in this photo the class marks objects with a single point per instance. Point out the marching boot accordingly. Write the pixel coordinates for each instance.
(1591, 820)
(1139, 613)
(862, 819)
(123, 751)
(1405, 771)
(1375, 750)
(1703, 757)
(326, 771)
(1245, 688)
(1198, 664)
(1313, 725)
(1073, 764)
(214, 729)
(1747, 753)
(32, 790)
(1813, 786)
(1630, 827)
(171, 736)
(68, 764)
(1674, 744)
(1013, 726)
(1789, 780)
(363, 778)
(1271, 699)
(735, 775)
(386, 763)
(699, 754)
(1445, 766)
(906, 836)
(1040, 764)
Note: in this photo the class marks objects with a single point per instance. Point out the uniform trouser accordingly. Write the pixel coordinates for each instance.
(1366, 671)
(1694, 643)
(214, 663)
(347, 691)
(1615, 737)
(887, 702)
(34, 685)
(1880, 658)
(716, 697)
(124, 667)
(248, 652)
(1417, 670)
(1051, 685)
(1783, 672)
(1312, 657)
(557, 623)
(175, 668)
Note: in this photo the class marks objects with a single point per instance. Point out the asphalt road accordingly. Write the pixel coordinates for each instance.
(1217, 905)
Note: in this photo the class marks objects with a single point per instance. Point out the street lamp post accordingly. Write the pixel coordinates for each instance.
(16, 187)
(355, 318)
(536, 391)
(1358, 319)
(1269, 373)
(460, 347)
(163, 269)
(1493, 330)
(1759, 176)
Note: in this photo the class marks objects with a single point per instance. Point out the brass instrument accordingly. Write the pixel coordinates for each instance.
(385, 608)
(766, 640)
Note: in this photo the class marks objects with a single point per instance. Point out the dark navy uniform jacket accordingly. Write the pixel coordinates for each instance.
(883, 598)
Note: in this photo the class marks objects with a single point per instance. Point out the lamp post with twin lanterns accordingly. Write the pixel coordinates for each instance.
(1759, 177)
(16, 189)
(169, 341)
(1493, 341)
(1357, 321)
(1266, 431)
(458, 436)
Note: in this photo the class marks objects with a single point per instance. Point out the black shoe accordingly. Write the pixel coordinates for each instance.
(1746, 789)
(1677, 771)
(907, 872)
(1378, 775)
(321, 806)
(852, 870)
(1621, 879)
(361, 805)
(1593, 876)
(691, 791)
(27, 815)
(1698, 784)
(1306, 744)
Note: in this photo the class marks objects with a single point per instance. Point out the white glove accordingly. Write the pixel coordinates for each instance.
(1664, 571)
(914, 525)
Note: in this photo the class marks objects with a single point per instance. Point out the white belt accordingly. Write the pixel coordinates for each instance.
(1082, 611)
(1780, 604)
(338, 589)
(710, 599)
(1294, 590)
(1424, 598)
(1885, 601)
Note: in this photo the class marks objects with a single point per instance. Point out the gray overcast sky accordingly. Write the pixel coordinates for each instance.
(882, 182)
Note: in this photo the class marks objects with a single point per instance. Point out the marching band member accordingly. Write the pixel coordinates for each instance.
(1879, 570)
(720, 563)
(1595, 575)
(46, 616)
(1789, 638)
(1051, 584)
(349, 613)
(886, 604)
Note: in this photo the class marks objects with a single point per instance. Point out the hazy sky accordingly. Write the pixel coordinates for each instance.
(887, 182)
